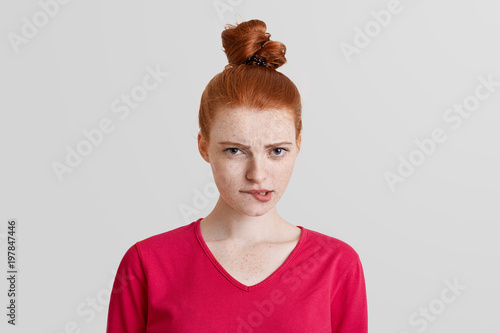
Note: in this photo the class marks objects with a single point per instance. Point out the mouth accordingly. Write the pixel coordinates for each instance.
(261, 195)
(259, 191)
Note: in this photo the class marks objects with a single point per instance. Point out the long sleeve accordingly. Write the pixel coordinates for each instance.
(349, 305)
(128, 304)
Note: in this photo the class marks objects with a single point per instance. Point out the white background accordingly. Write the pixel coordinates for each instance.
(359, 116)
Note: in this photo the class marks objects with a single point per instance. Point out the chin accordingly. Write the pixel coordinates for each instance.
(258, 209)
(250, 207)
(259, 212)
(254, 214)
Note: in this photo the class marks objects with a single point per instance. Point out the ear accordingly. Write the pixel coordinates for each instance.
(203, 147)
(299, 142)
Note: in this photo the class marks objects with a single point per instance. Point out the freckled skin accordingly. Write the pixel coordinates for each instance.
(257, 167)
(248, 237)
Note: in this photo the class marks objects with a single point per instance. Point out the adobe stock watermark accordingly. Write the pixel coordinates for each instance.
(420, 319)
(121, 107)
(199, 202)
(454, 117)
(293, 277)
(88, 309)
(223, 6)
(381, 19)
(29, 29)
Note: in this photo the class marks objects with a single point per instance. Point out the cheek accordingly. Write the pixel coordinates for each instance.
(283, 172)
(224, 167)
(285, 166)
(226, 174)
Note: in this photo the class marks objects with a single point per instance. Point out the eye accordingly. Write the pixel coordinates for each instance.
(282, 149)
(231, 149)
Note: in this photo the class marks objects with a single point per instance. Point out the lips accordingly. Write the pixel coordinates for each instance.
(261, 197)
(258, 191)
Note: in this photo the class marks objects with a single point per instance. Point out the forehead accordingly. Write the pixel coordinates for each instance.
(246, 123)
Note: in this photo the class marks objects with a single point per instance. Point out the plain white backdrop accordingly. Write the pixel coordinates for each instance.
(376, 77)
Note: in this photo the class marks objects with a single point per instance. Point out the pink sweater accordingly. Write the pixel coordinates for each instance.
(171, 283)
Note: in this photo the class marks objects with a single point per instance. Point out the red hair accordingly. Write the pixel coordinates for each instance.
(250, 85)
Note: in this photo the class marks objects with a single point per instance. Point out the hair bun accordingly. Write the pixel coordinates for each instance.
(250, 39)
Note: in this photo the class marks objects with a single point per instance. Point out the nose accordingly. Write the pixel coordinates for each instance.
(257, 170)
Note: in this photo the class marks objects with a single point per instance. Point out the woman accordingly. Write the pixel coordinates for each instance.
(243, 268)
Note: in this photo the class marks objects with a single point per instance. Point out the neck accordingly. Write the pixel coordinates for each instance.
(226, 224)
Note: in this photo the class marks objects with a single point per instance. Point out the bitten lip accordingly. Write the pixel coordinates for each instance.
(257, 191)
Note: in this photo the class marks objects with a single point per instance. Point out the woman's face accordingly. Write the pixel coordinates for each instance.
(250, 150)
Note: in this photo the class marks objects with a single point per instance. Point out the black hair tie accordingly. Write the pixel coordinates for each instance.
(258, 61)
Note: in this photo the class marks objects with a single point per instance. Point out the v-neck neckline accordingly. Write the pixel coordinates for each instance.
(228, 276)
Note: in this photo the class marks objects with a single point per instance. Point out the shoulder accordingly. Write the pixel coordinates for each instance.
(330, 250)
(170, 242)
(331, 244)
(174, 235)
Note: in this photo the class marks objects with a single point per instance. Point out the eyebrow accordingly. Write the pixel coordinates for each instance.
(247, 147)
